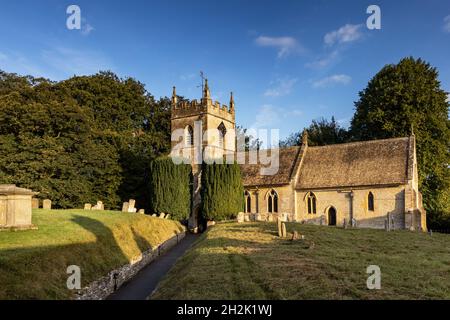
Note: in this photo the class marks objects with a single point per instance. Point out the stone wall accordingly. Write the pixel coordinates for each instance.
(105, 286)
(387, 201)
(259, 203)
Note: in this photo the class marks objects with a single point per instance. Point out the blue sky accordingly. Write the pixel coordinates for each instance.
(287, 62)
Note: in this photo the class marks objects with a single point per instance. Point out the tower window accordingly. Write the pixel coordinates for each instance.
(312, 203)
(222, 133)
(189, 136)
(370, 202)
(272, 202)
(248, 202)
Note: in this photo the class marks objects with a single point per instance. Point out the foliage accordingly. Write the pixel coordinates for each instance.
(80, 140)
(169, 188)
(222, 191)
(321, 132)
(404, 96)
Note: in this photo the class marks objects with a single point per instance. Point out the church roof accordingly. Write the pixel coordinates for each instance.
(251, 173)
(366, 163)
(377, 162)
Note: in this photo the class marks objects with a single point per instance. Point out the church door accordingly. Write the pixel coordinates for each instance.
(332, 216)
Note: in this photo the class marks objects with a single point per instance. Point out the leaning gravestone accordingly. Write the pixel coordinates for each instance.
(34, 203)
(125, 207)
(167, 216)
(161, 215)
(240, 217)
(47, 204)
(87, 206)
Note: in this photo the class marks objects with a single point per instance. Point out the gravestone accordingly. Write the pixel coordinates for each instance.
(283, 230)
(246, 217)
(34, 203)
(240, 217)
(167, 216)
(154, 215)
(87, 206)
(15, 207)
(257, 217)
(47, 204)
(162, 215)
(125, 207)
(294, 236)
(270, 218)
(131, 206)
(99, 206)
(280, 228)
(141, 211)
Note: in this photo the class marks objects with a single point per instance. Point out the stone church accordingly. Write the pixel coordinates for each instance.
(369, 184)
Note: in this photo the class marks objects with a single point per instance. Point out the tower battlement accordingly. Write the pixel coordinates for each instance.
(205, 105)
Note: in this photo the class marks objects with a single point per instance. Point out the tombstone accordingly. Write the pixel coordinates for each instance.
(15, 207)
(34, 203)
(167, 216)
(47, 204)
(154, 215)
(294, 236)
(322, 220)
(125, 206)
(258, 217)
(283, 230)
(353, 223)
(280, 228)
(100, 205)
(87, 206)
(141, 211)
(131, 205)
(386, 224)
(246, 217)
(392, 224)
(162, 215)
(270, 218)
(240, 217)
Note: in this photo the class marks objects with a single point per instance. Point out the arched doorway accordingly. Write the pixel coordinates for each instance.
(331, 216)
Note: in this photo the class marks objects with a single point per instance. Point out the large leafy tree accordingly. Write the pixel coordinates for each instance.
(404, 96)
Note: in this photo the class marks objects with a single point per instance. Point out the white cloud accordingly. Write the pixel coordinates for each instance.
(447, 24)
(86, 29)
(185, 77)
(332, 80)
(347, 33)
(268, 117)
(285, 45)
(324, 61)
(282, 87)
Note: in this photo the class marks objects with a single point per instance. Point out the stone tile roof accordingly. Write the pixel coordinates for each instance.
(377, 162)
(251, 173)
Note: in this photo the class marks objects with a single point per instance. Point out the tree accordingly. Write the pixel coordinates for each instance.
(321, 132)
(404, 96)
(222, 191)
(170, 188)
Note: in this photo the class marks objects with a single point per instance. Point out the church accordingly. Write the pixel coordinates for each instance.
(368, 184)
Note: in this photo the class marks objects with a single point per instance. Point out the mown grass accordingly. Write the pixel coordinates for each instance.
(249, 261)
(33, 263)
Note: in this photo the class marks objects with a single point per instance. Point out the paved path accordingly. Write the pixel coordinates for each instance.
(144, 283)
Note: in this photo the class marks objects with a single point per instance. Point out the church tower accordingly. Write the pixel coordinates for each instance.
(208, 130)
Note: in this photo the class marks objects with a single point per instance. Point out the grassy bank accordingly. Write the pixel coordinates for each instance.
(248, 261)
(33, 263)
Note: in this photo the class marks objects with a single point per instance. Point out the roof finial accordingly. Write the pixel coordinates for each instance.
(206, 93)
(305, 137)
(231, 101)
(174, 97)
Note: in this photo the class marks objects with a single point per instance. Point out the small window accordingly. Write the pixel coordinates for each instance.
(248, 202)
(312, 203)
(272, 202)
(222, 133)
(370, 202)
(189, 136)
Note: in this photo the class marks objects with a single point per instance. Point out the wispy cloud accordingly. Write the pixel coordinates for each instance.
(447, 24)
(284, 45)
(189, 76)
(267, 117)
(332, 80)
(324, 61)
(86, 29)
(18, 63)
(281, 87)
(345, 34)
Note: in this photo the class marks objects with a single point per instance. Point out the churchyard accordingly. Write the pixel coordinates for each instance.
(250, 261)
(33, 263)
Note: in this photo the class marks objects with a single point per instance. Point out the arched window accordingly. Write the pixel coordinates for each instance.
(312, 203)
(370, 202)
(222, 133)
(248, 202)
(188, 136)
(272, 202)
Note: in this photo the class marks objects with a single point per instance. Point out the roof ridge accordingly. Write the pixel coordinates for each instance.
(359, 142)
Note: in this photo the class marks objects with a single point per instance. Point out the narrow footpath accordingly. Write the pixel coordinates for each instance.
(141, 286)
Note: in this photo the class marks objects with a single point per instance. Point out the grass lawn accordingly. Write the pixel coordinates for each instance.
(249, 261)
(33, 263)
